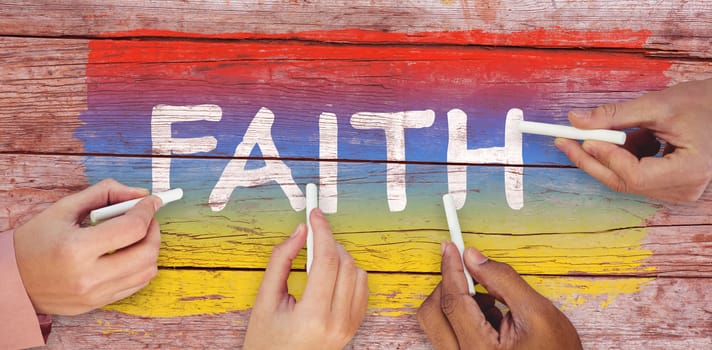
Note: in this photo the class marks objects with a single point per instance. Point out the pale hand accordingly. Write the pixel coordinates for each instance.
(331, 308)
(681, 116)
(68, 269)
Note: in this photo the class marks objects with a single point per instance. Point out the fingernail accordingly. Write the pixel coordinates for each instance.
(318, 212)
(141, 190)
(476, 256)
(296, 230)
(443, 248)
(558, 142)
(581, 113)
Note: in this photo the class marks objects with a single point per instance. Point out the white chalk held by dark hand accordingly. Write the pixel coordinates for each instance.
(312, 203)
(456, 237)
(569, 132)
(117, 209)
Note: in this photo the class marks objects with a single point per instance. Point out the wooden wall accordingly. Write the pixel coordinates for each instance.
(79, 80)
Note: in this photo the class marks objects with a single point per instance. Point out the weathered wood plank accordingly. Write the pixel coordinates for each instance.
(101, 100)
(674, 27)
(655, 316)
(45, 84)
(562, 229)
(89, 94)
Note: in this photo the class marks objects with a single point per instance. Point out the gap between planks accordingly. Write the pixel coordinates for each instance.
(659, 54)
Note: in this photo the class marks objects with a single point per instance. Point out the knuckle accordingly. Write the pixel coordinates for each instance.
(82, 287)
(150, 273)
(450, 302)
(149, 256)
(154, 247)
(426, 311)
(363, 277)
(153, 254)
(108, 182)
(578, 162)
(330, 261)
(607, 110)
(619, 185)
(93, 301)
(348, 262)
(505, 270)
(278, 250)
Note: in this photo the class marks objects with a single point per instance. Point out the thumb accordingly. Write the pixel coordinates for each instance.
(502, 282)
(643, 112)
(274, 283)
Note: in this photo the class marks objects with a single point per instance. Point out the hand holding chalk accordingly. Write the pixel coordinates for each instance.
(453, 319)
(456, 236)
(65, 267)
(117, 209)
(333, 303)
(680, 116)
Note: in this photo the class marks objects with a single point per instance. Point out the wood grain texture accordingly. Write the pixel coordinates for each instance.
(654, 318)
(630, 272)
(45, 84)
(44, 89)
(618, 241)
(677, 28)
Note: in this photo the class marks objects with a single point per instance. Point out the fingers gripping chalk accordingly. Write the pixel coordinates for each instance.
(569, 132)
(117, 209)
(456, 236)
(312, 203)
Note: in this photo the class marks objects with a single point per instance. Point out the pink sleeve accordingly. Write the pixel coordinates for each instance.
(19, 324)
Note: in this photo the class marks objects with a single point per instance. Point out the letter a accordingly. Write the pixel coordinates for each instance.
(259, 133)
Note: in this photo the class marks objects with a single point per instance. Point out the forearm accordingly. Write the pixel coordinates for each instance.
(19, 324)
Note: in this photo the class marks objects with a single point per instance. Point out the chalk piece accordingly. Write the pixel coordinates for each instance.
(456, 236)
(117, 209)
(312, 203)
(569, 132)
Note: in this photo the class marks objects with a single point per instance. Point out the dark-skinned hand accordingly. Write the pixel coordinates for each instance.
(452, 319)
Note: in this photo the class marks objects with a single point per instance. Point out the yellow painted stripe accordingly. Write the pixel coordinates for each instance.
(193, 292)
(614, 252)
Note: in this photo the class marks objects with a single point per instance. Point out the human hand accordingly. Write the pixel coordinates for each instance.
(681, 116)
(331, 308)
(66, 269)
(452, 319)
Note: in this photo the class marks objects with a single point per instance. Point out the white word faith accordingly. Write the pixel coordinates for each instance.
(393, 124)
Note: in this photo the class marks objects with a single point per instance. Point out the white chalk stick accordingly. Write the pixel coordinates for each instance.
(569, 132)
(456, 237)
(312, 203)
(121, 208)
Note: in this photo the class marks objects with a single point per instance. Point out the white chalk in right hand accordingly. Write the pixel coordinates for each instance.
(456, 237)
(569, 132)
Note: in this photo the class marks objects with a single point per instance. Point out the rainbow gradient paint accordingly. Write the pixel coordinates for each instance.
(299, 80)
